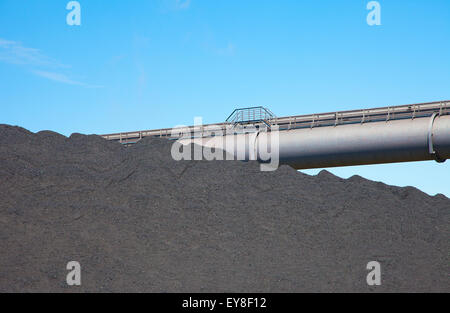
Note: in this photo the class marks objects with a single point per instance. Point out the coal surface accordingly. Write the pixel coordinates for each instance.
(138, 221)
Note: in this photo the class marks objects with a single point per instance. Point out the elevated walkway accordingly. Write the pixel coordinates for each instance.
(263, 117)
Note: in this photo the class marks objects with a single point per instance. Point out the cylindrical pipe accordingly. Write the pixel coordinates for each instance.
(344, 145)
(359, 144)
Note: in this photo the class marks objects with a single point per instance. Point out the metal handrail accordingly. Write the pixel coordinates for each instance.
(250, 114)
(385, 114)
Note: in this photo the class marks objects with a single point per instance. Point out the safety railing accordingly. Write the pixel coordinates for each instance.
(263, 116)
(365, 116)
(251, 115)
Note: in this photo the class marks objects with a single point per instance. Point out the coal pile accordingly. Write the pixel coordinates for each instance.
(137, 221)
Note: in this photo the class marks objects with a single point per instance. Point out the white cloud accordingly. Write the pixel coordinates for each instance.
(13, 52)
(61, 78)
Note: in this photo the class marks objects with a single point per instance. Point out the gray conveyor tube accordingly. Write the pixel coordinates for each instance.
(406, 140)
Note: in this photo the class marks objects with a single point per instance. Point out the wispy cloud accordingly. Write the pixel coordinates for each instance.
(61, 78)
(13, 52)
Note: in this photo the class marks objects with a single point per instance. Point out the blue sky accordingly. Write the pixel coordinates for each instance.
(148, 64)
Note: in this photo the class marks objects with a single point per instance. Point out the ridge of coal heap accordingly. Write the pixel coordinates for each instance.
(137, 220)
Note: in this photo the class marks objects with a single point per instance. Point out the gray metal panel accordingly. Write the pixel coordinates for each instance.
(441, 136)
